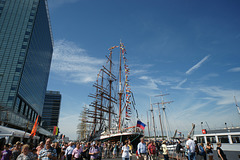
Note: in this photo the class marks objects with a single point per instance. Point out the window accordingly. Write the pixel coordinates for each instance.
(211, 139)
(18, 69)
(16, 108)
(236, 139)
(200, 139)
(223, 139)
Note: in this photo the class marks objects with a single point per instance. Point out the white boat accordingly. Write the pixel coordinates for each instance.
(229, 138)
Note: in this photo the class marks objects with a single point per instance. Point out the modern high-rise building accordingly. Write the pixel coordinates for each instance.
(51, 110)
(26, 47)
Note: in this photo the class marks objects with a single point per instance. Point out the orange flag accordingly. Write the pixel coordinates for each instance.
(34, 129)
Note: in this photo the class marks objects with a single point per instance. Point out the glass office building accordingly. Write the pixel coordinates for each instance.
(26, 47)
(51, 110)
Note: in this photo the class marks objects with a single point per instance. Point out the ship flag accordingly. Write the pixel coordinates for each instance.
(141, 125)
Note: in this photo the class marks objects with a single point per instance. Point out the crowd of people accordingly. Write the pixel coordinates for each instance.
(150, 150)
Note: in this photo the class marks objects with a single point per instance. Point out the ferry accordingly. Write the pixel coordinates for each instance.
(229, 137)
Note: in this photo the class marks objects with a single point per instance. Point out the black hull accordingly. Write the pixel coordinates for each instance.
(135, 138)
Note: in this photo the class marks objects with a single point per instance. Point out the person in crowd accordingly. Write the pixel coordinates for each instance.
(191, 148)
(209, 149)
(100, 150)
(34, 152)
(158, 145)
(114, 150)
(142, 150)
(6, 153)
(220, 152)
(58, 149)
(48, 153)
(119, 148)
(152, 150)
(69, 150)
(77, 152)
(125, 151)
(15, 152)
(109, 149)
(130, 149)
(197, 156)
(40, 147)
(10, 146)
(94, 151)
(202, 152)
(178, 149)
(105, 149)
(25, 155)
(85, 153)
(62, 155)
(165, 150)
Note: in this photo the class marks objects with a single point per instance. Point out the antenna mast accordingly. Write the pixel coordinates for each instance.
(237, 105)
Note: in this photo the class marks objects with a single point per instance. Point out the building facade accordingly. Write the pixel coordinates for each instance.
(51, 110)
(26, 47)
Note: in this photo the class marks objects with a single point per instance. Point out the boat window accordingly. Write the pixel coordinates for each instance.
(200, 139)
(236, 139)
(223, 139)
(211, 139)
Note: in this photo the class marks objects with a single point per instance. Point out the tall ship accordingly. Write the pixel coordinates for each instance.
(112, 114)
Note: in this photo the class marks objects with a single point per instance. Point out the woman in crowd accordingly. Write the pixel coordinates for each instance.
(165, 150)
(220, 152)
(25, 153)
(125, 151)
(209, 148)
(6, 153)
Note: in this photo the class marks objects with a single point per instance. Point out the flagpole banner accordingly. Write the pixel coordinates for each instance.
(34, 129)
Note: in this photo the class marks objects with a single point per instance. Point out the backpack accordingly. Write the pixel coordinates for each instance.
(201, 150)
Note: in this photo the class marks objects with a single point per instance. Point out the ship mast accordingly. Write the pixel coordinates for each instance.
(110, 91)
(120, 88)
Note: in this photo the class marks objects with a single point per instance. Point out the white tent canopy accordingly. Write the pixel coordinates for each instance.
(6, 131)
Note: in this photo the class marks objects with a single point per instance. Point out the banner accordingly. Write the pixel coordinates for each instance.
(34, 129)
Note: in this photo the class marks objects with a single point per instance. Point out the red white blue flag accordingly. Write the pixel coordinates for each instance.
(141, 125)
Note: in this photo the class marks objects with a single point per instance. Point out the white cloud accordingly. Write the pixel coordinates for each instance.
(236, 69)
(196, 66)
(152, 83)
(180, 84)
(73, 64)
(221, 96)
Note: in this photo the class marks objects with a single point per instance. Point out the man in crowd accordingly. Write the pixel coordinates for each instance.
(191, 148)
(48, 152)
(69, 150)
(152, 150)
(142, 150)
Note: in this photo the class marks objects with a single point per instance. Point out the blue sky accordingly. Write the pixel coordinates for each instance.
(189, 49)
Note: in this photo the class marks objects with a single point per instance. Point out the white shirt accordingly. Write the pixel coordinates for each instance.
(69, 150)
(125, 153)
(191, 145)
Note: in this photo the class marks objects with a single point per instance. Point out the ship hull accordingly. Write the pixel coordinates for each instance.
(122, 137)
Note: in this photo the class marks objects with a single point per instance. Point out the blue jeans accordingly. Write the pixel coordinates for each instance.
(191, 156)
(125, 158)
(166, 157)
